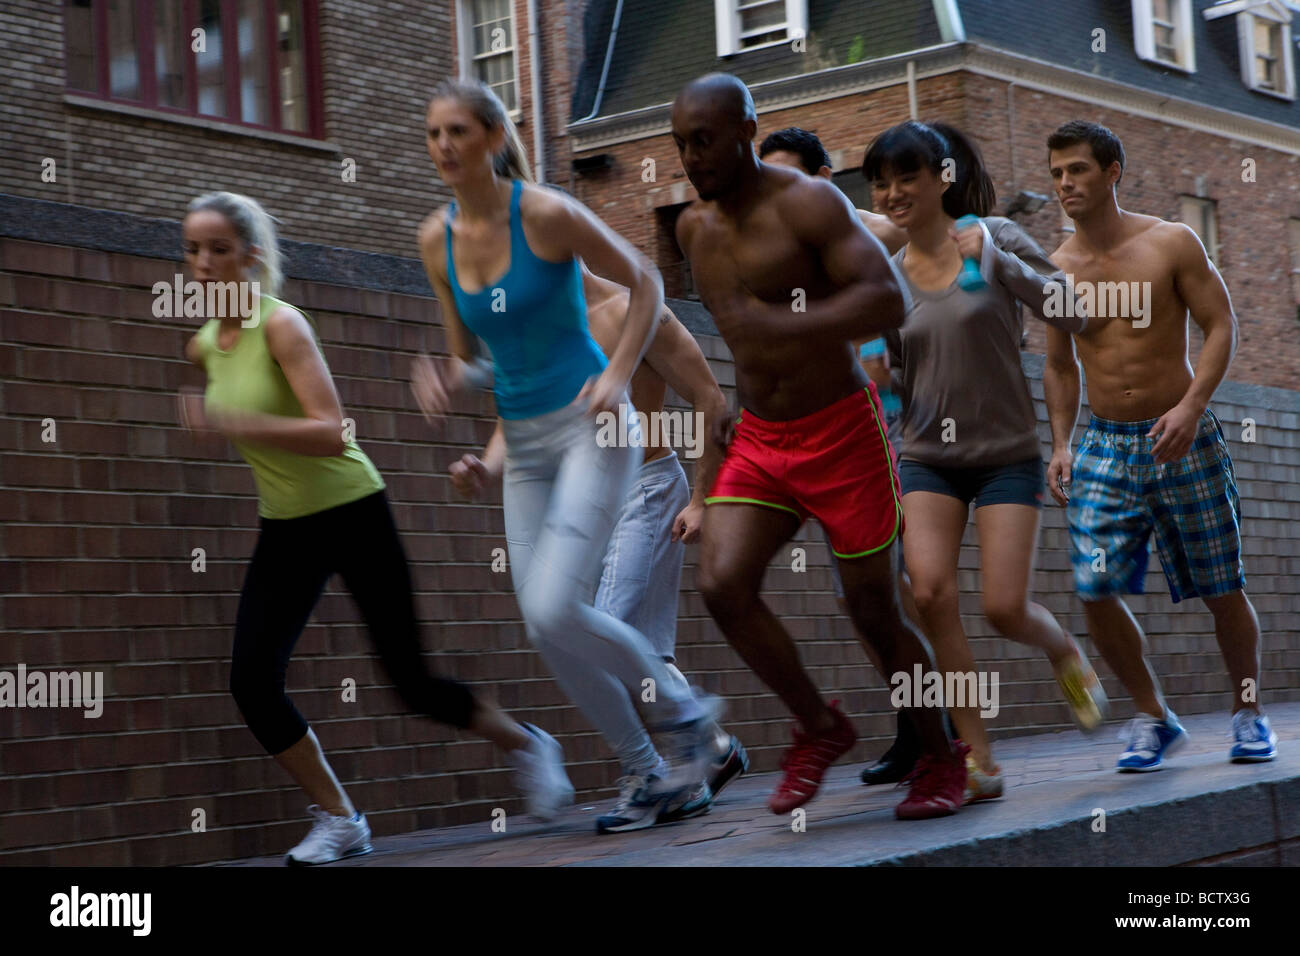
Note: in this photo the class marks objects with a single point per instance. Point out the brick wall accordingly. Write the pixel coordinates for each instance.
(379, 63)
(99, 527)
(1163, 163)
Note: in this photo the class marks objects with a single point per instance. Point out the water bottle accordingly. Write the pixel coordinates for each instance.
(969, 278)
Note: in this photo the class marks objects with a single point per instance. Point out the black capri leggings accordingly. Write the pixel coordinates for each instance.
(293, 559)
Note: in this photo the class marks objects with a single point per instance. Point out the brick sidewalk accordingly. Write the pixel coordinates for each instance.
(1200, 808)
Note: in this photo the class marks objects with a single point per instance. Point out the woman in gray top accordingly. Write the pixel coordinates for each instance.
(968, 429)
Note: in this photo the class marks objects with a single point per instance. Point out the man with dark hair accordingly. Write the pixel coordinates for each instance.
(800, 149)
(791, 278)
(812, 155)
(1106, 148)
(1154, 456)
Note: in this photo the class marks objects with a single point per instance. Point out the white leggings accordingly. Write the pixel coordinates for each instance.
(563, 493)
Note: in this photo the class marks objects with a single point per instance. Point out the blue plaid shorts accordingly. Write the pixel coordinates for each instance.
(1119, 496)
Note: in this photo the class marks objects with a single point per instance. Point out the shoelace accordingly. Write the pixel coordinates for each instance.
(930, 776)
(628, 788)
(804, 755)
(1140, 734)
(1246, 729)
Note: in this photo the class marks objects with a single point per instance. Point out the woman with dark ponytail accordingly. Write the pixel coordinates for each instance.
(968, 429)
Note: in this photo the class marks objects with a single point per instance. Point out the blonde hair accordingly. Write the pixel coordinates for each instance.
(254, 226)
(478, 98)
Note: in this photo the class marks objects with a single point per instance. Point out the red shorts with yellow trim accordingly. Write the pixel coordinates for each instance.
(835, 465)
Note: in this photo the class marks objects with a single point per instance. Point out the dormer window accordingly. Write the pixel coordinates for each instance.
(1264, 42)
(744, 25)
(1162, 33)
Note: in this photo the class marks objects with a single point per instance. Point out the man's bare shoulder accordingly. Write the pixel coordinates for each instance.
(1178, 238)
(793, 190)
(883, 228)
(689, 220)
(1150, 229)
(810, 205)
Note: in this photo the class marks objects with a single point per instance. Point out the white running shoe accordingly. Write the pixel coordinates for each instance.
(689, 749)
(331, 839)
(541, 775)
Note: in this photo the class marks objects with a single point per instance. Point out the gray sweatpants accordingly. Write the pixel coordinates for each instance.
(563, 494)
(643, 564)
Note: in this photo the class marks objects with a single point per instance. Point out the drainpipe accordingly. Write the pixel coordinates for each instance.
(535, 69)
(1011, 126)
(609, 55)
(911, 89)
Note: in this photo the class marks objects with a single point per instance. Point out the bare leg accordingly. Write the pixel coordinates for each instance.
(909, 608)
(737, 543)
(1237, 629)
(1119, 638)
(934, 528)
(306, 763)
(871, 588)
(1008, 536)
(492, 724)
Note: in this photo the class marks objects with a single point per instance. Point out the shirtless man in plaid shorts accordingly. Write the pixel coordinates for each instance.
(1153, 458)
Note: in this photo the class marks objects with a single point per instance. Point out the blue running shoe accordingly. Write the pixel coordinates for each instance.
(1254, 740)
(693, 802)
(630, 812)
(1149, 741)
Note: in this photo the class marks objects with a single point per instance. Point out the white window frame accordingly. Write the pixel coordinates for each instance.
(726, 17)
(1293, 237)
(465, 43)
(1250, 14)
(1209, 226)
(1144, 34)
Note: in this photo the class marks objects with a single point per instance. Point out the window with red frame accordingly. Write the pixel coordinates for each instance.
(252, 62)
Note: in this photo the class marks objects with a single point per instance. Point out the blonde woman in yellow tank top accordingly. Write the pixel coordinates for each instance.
(323, 510)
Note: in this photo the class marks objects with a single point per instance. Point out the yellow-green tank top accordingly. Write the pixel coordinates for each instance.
(289, 485)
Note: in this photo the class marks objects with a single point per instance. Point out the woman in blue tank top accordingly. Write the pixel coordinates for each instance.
(503, 259)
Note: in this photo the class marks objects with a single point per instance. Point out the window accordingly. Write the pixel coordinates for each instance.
(250, 62)
(1202, 216)
(1263, 42)
(1162, 32)
(1268, 55)
(750, 24)
(673, 265)
(487, 51)
(1294, 228)
(853, 184)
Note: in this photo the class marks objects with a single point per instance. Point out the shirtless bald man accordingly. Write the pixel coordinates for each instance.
(792, 278)
(1154, 456)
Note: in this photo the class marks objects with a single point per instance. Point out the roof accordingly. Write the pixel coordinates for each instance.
(1065, 39)
(664, 44)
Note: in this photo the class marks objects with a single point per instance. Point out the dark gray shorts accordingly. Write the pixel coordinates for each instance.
(1020, 483)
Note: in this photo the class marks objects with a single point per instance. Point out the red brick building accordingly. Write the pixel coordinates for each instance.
(1204, 101)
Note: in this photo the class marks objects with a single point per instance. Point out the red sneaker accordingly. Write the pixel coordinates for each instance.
(806, 762)
(938, 787)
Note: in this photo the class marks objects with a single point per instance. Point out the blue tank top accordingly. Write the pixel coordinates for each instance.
(534, 321)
